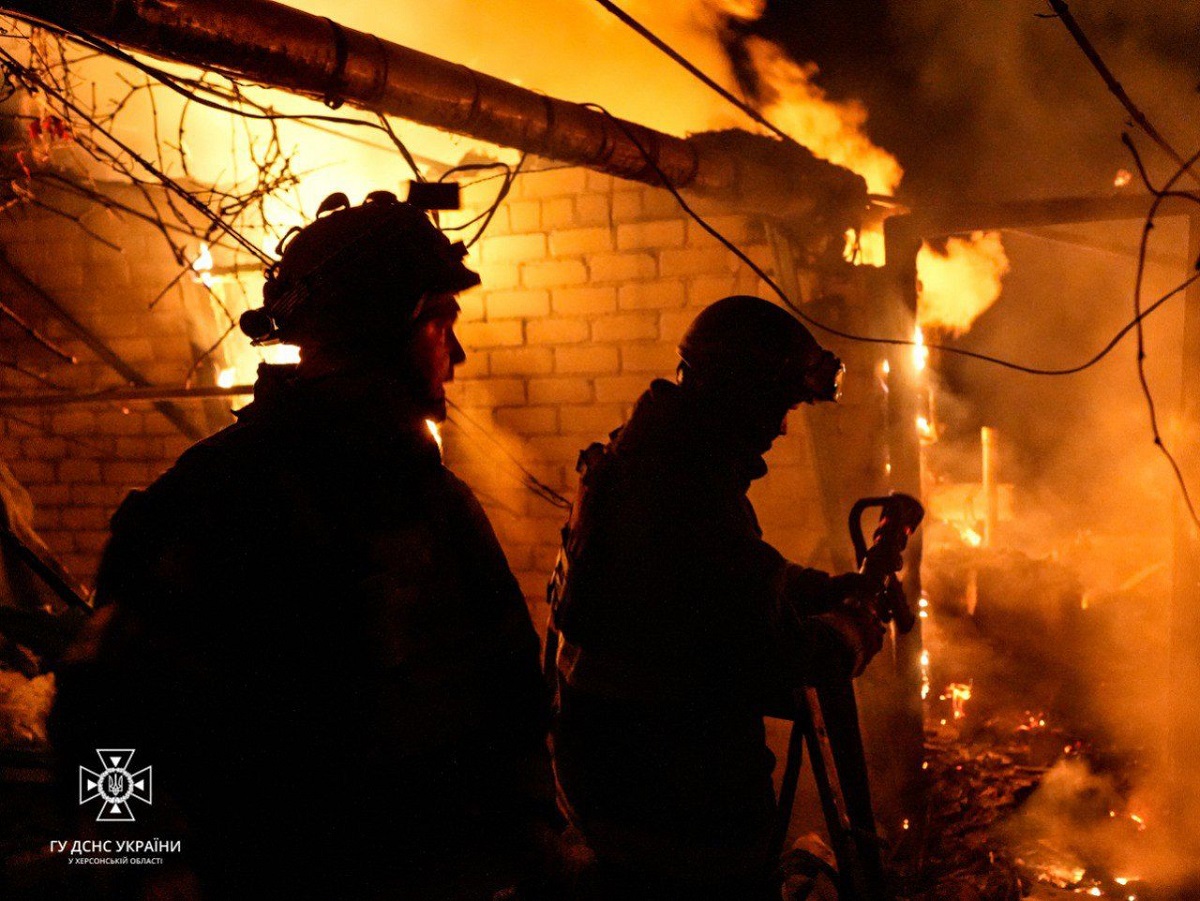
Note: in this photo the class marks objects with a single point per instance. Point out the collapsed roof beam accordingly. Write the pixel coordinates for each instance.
(272, 44)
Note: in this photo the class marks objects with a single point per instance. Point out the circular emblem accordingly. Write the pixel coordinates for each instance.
(115, 785)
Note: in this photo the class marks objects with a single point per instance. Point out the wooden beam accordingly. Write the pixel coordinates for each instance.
(953, 219)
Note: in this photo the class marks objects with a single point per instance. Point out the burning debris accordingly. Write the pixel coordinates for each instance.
(1021, 800)
(24, 706)
(1018, 807)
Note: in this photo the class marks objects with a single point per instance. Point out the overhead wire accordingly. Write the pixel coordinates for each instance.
(696, 71)
(32, 77)
(870, 339)
(1185, 166)
(192, 91)
(533, 483)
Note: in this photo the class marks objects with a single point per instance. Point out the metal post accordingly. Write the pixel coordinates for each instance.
(991, 491)
(907, 725)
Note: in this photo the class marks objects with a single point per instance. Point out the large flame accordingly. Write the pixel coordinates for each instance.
(832, 130)
(222, 149)
(960, 284)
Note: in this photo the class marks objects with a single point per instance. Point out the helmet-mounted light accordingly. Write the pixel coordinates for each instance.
(824, 379)
(333, 272)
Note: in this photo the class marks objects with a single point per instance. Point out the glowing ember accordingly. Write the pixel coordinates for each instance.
(960, 284)
(925, 428)
(925, 681)
(436, 432)
(920, 353)
(957, 693)
(1061, 875)
(865, 248)
(970, 536)
(1122, 178)
(203, 265)
(227, 377)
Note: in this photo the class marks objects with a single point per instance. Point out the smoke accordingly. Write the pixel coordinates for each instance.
(1000, 102)
(1001, 105)
(1081, 825)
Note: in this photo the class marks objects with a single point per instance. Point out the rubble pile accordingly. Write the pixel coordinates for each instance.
(1020, 808)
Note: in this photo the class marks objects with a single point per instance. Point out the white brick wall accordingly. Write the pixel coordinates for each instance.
(588, 284)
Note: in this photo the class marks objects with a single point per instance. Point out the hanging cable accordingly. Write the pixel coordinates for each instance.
(535, 484)
(869, 339)
(695, 70)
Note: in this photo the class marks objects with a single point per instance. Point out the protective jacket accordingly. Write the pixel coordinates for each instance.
(315, 638)
(680, 628)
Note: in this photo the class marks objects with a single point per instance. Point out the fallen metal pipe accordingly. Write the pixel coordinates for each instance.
(273, 44)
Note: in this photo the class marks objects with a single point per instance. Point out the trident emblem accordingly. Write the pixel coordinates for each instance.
(115, 785)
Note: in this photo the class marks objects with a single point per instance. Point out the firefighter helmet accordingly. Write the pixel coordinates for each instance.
(747, 343)
(356, 272)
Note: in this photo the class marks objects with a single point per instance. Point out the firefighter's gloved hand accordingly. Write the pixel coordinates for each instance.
(845, 587)
(857, 625)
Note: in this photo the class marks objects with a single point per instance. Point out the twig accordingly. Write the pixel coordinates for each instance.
(1068, 20)
(1143, 247)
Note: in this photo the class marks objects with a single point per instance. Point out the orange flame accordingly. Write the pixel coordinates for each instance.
(920, 353)
(960, 284)
(833, 131)
(957, 693)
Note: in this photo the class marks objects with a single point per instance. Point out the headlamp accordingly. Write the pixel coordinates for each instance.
(823, 380)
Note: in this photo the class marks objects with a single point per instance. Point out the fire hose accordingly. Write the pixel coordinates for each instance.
(826, 716)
